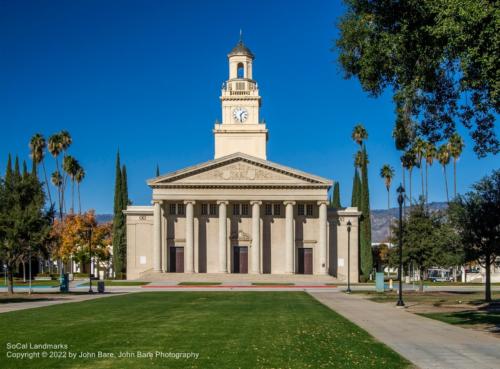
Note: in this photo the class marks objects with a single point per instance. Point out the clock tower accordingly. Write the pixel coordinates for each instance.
(241, 129)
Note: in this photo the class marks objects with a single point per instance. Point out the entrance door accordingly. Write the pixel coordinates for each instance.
(305, 261)
(240, 259)
(176, 259)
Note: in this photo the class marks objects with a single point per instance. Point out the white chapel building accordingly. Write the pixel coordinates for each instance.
(240, 213)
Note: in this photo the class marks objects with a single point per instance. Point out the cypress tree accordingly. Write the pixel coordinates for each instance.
(124, 188)
(8, 171)
(366, 257)
(25, 170)
(157, 170)
(118, 221)
(17, 170)
(355, 188)
(336, 196)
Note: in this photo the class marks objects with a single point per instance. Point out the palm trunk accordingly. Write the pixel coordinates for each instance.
(411, 198)
(404, 183)
(24, 272)
(47, 183)
(426, 183)
(72, 196)
(422, 177)
(487, 285)
(454, 178)
(79, 199)
(446, 183)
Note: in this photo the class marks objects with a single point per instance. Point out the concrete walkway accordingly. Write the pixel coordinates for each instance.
(425, 342)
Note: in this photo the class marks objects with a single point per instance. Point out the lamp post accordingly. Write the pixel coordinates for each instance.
(89, 231)
(401, 199)
(349, 225)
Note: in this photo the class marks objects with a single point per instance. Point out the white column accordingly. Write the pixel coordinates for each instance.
(255, 236)
(164, 253)
(188, 249)
(289, 237)
(222, 236)
(157, 237)
(322, 237)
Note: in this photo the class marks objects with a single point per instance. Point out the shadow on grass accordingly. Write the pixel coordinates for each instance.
(472, 317)
(22, 299)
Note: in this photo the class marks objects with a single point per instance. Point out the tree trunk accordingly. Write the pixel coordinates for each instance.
(426, 183)
(411, 170)
(24, 272)
(79, 199)
(47, 183)
(422, 178)
(421, 280)
(446, 183)
(404, 186)
(454, 178)
(487, 285)
(72, 196)
(10, 280)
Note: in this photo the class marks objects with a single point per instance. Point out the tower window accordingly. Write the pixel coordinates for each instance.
(241, 71)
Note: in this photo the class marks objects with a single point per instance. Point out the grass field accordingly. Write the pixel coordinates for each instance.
(432, 297)
(465, 318)
(227, 329)
(20, 283)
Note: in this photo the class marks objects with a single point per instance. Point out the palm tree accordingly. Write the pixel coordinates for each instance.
(55, 147)
(358, 159)
(409, 161)
(429, 154)
(70, 166)
(419, 149)
(66, 142)
(387, 173)
(443, 156)
(455, 147)
(37, 148)
(80, 175)
(359, 134)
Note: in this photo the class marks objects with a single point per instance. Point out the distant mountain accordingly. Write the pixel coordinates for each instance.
(104, 218)
(381, 220)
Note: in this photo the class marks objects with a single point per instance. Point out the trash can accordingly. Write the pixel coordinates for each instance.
(379, 281)
(64, 283)
(100, 286)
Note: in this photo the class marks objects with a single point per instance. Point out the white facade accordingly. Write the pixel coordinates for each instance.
(241, 213)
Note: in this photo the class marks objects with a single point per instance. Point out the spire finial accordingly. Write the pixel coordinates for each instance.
(241, 36)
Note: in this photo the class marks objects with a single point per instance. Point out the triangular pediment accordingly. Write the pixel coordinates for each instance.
(239, 170)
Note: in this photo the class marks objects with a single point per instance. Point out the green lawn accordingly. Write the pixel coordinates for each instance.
(110, 282)
(435, 298)
(467, 317)
(227, 329)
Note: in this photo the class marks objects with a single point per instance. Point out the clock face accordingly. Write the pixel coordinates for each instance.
(240, 114)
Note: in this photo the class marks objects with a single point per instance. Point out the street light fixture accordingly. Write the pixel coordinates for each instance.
(349, 225)
(89, 233)
(401, 198)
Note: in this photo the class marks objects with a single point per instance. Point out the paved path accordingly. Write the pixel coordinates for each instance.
(425, 342)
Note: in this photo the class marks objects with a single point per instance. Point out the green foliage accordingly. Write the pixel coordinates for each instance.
(476, 216)
(356, 189)
(119, 221)
(365, 233)
(438, 58)
(336, 196)
(24, 224)
(429, 240)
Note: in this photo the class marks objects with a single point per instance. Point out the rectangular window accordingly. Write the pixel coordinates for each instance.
(277, 209)
(204, 209)
(180, 209)
(300, 209)
(213, 209)
(309, 210)
(244, 209)
(269, 209)
(172, 209)
(236, 209)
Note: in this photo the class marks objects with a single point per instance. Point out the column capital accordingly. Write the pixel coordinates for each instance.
(225, 202)
(289, 202)
(153, 202)
(255, 202)
(323, 202)
(189, 202)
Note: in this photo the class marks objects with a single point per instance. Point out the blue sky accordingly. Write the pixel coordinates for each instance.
(144, 77)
